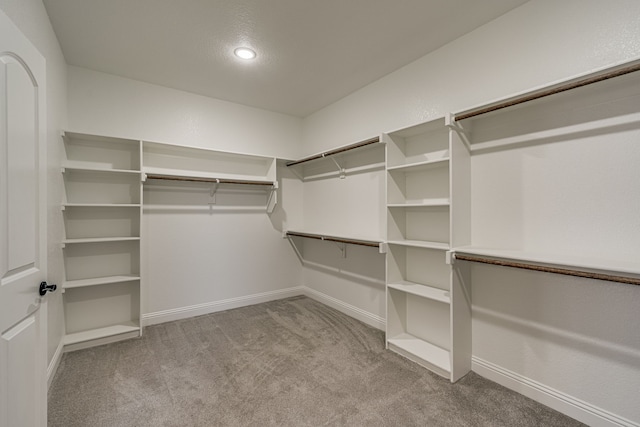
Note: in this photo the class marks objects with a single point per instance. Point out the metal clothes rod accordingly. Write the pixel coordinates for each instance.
(334, 239)
(552, 91)
(336, 151)
(213, 180)
(554, 270)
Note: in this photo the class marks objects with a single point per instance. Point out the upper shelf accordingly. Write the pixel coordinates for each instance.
(418, 147)
(587, 104)
(213, 180)
(355, 158)
(98, 153)
(596, 268)
(192, 162)
(333, 152)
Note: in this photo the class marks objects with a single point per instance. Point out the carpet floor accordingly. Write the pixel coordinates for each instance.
(292, 362)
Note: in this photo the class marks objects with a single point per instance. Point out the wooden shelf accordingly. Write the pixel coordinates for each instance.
(432, 357)
(94, 334)
(420, 244)
(96, 281)
(423, 291)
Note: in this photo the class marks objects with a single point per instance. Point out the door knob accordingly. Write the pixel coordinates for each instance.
(44, 288)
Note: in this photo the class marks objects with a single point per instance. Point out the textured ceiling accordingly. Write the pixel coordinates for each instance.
(310, 53)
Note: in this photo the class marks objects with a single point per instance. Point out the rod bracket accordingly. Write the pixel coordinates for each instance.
(341, 170)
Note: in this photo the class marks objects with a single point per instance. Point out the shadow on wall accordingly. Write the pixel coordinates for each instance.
(576, 335)
(360, 264)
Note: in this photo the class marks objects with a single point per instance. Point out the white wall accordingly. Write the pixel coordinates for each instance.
(105, 104)
(547, 330)
(195, 259)
(32, 19)
(540, 42)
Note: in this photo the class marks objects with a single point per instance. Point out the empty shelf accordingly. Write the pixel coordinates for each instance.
(429, 355)
(94, 334)
(80, 283)
(99, 240)
(420, 244)
(424, 291)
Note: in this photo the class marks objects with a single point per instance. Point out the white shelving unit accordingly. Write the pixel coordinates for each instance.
(101, 244)
(554, 177)
(428, 307)
(204, 167)
(340, 209)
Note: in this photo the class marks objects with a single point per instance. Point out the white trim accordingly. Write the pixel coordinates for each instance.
(348, 309)
(54, 363)
(562, 402)
(215, 306)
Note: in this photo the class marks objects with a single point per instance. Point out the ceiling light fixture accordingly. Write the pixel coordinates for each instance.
(244, 53)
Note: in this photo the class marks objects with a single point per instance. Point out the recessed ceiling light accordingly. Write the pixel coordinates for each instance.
(244, 53)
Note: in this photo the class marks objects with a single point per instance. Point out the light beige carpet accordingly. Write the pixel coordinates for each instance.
(293, 362)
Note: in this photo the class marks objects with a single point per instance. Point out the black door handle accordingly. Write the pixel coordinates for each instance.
(44, 288)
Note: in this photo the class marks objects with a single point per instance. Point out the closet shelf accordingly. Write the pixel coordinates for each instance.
(329, 153)
(81, 283)
(212, 180)
(347, 240)
(420, 244)
(426, 203)
(423, 291)
(94, 334)
(562, 87)
(594, 268)
(431, 356)
(66, 169)
(420, 166)
(99, 240)
(100, 205)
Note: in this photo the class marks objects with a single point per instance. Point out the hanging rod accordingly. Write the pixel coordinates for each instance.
(558, 89)
(336, 151)
(545, 269)
(214, 180)
(369, 243)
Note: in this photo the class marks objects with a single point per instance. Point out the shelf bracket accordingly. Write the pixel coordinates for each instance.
(272, 199)
(342, 247)
(341, 170)
(452, 124)
(212, 193)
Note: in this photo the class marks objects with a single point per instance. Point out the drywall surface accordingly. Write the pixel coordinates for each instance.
(196, 254)
(574, 337)
(542, 330)
(105, 104)
(541, 42)
(31, 18)
(198, 257)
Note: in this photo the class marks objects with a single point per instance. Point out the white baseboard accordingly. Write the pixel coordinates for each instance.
(54, 363)
(561, 402)
(215, 306)
(348, 309)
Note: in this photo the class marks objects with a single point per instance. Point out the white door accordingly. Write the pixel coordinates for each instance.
(22, 230)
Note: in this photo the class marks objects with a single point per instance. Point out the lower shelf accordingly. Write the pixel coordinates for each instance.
(70, 284)
(422, 352)
(94, 334)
